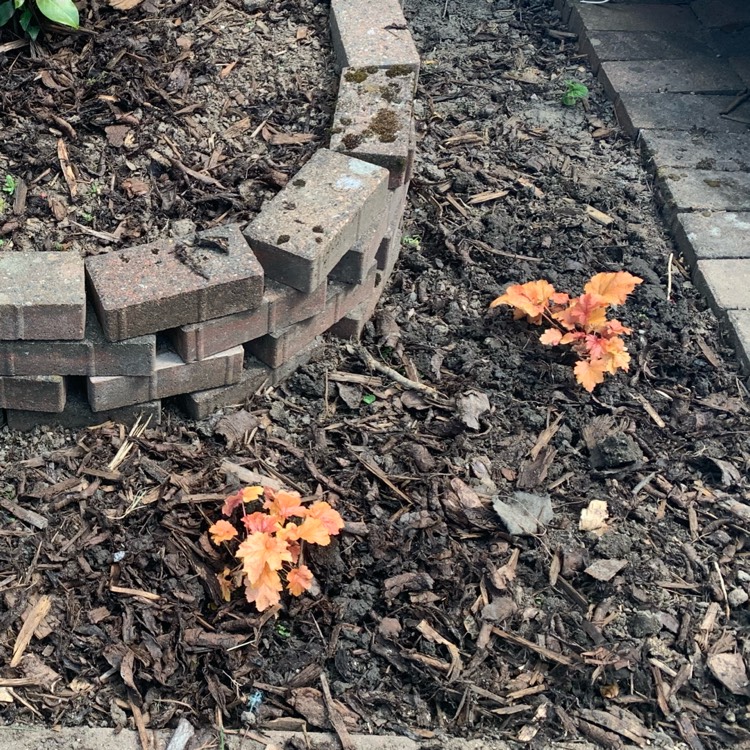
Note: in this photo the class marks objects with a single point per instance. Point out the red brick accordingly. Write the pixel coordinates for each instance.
(373, 119)
(34, 393)
(281, 306)
(77, 414)
(255, 375)
(277, 348)
(302, 234)
(42, 296)
(356, 264)
(167, 283)
(171, 378)
(367, 33)
(93, 355)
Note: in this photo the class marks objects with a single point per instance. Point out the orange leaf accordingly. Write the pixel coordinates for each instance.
(284, 504)
(260, 521)
(245, 495)
(261, 550)
(331, 520)
(531, 298)
(265, 592)
(589, 374)
(225, 584)
(615, 355)
(299, 580)
(613, 288)
(587, 311)
(222, 531)
(551, 337)
(313, 531)
(615, 328)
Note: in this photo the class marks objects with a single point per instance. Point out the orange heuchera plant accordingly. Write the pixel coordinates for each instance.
(271, 540)
(579, 321)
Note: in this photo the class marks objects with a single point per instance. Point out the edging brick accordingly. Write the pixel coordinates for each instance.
(703, 190)
(32, 308)
(331, 203)
(372, 34)
(739, 325)
(169, 283)
(712, 235)
(171, 377)
(724, 282)
(35, 393)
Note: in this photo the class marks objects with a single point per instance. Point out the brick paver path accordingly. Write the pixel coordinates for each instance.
(678, 73)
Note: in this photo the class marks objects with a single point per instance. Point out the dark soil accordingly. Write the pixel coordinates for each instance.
(633, 632)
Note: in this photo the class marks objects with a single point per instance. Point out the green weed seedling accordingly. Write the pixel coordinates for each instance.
(574, 93)
(9, 184)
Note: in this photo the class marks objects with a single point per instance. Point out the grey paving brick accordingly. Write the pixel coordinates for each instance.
(277, 348)
(371, 34)
(78, 413)
(641, 17)
(677, 112)
(92, 355)
(730, 42)
(721, 13)
(281, 307)
(255, 375)
(719, 234)
(722, 152)
(373, 118)
(42, 296)
(168, 283)
(725, 283)
(172, 377)
(601, 46)
(741, 66)
(302, 233)
(703, 190)
(700, 75)
(35, 393)
(356, 264)
(739, 325)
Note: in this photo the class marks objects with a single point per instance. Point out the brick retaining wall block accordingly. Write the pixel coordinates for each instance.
(35, 393)
(356, 264)
(92, 355)
(171, 377)
(42, 296)
(77, 413)
(371, 34)
(169, 283)
(281, 307)
(277, 348)
(255, 375)
(373, 119)
(306, 229)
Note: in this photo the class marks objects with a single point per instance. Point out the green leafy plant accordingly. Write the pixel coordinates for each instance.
(574, 93)
(9, 184)
(26, 13)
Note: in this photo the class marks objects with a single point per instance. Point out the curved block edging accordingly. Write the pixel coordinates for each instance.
(349, 199)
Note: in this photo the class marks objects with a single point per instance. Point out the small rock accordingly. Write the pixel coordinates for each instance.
(615, 450)
(737, 597)
(645, 623)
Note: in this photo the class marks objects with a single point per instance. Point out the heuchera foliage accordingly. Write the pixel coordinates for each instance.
(270, 542)
(579, 321)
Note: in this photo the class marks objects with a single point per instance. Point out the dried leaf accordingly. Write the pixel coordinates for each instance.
(730, 671)
(594, 517)
(471, 406)
(605, 570)
(124, 4)
(235, 427)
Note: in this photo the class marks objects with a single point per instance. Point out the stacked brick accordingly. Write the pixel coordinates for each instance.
(214, 317)
(674, 69)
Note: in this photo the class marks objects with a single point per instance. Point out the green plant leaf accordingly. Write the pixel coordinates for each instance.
(59, 11)
(6, 12)
(18, 3)
(368, 399)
